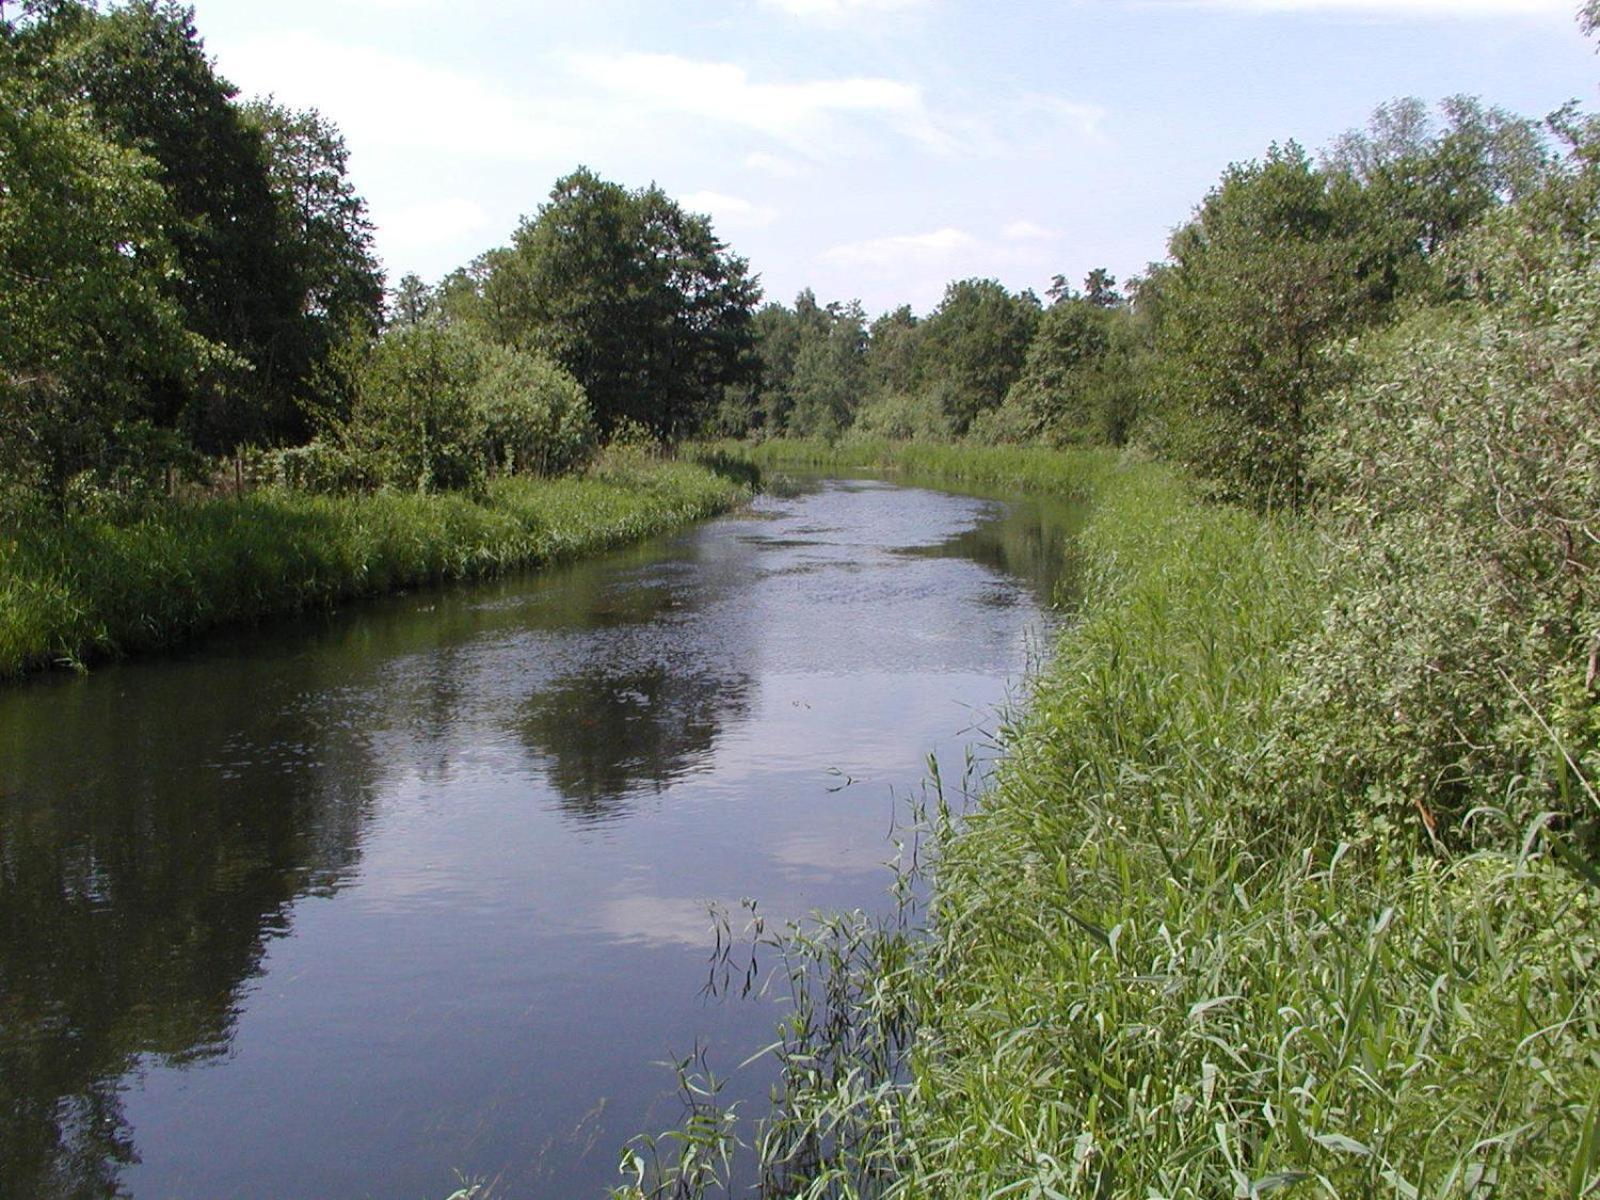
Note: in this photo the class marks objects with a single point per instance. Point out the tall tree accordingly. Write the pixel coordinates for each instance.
(1057, 393)
(1100, 289)
(327, 237)
(829, 372)
(972, 346)
(633, 295)
(144, 74)
(1262, 278)
(1418, 181)
(892, 352)
(88, 315)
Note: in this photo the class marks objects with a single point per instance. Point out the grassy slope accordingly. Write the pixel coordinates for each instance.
(88, 589)
(1147, 979)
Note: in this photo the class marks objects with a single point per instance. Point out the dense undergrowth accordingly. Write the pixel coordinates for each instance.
(1153, 968)
(76, 589)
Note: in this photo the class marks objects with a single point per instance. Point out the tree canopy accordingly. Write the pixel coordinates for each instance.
(636, 297)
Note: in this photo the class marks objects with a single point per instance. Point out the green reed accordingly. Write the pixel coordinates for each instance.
(77, 589)
(1141, 973)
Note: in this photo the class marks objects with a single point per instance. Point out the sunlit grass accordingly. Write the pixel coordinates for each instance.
(76, 590)
(1074, 473)
(1143, 976)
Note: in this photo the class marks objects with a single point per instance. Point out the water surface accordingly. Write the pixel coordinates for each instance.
(334, 909)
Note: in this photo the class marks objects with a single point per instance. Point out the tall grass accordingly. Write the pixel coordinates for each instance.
(1074, 474)
(79, 589)
(1142, 975)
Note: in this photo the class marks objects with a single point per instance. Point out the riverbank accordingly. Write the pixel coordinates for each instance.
(1077, 475)
(75, 591)
(1156, 962)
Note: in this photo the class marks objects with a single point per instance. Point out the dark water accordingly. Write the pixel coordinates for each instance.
(333, 911)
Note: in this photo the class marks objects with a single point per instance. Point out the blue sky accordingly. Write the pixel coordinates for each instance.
(867, 148)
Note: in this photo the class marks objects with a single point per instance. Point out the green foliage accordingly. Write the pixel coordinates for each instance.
(1075, 475)
(1075, 383)
(1284, 260)
(810, 371)
(79, 589)
(1457, 671)
(904, 416)
(414, 425)
(182, 268)
(973, 346)
(1012, 424)
(326, 235)
(1423, 182)
(1263, 278)
(535, 417)
(88, 317)
(892, 353)
(829, 373)
(145, 76)
(632, 295)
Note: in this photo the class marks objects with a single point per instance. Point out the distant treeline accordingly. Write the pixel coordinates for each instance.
(1223, 354)
(186, 276)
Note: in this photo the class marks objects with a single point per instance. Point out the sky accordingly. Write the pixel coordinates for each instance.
(868, 149)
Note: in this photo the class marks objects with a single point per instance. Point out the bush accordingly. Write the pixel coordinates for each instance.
(534, 416)
(1010, 424)
(414, 426)
(904, 417)
(1458, 666)
(324, 466)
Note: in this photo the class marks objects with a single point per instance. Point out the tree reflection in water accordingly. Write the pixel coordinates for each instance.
(609, 736)
(136, 903)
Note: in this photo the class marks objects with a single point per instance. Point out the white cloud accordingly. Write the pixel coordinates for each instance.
(432, 222)
(835, 12)
(390, 102)
(1085, 118)
(732, 211)
(772, 164)
(1390, 8)
(1027, 231)
(805, 115)
(901, 250)
(658, 921)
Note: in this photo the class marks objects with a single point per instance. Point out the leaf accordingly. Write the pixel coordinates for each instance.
(1338, 1141)
(1277, 1181)
(1204, 1006)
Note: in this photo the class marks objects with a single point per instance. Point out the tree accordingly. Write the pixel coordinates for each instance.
(892, 347)
(1056, 390)
(327, 239)
(415, 425)
(829, 372)
(143, 72)
(1100, 289)
(1416, 182)
(1455, 670)
(1262, 278)
(410, 302)
(88, 317)
(973, 345)
(632, 295)
(535, 417)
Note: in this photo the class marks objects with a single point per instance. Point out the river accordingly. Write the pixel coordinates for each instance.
(335, 909)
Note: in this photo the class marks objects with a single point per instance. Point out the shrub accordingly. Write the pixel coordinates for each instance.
(1010, 424)
(1458, 666)
(534, 416)
(324, 466)
(414, 425)
(904, 416)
